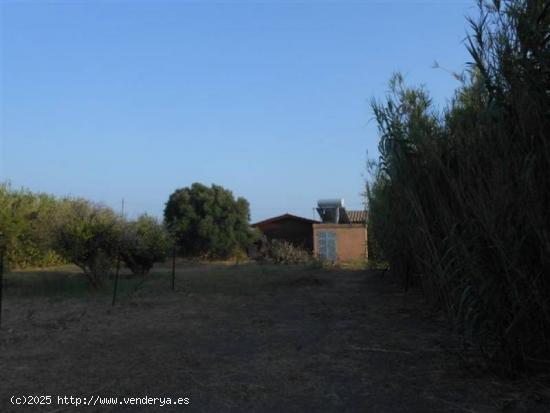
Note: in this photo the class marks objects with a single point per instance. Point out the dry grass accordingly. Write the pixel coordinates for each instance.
(246, 338)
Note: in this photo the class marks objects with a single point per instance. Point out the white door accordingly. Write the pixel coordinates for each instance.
(327, 245)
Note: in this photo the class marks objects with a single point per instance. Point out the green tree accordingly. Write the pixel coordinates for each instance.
(87, 235)
(143, 242)
(26, 226)
(208, 221)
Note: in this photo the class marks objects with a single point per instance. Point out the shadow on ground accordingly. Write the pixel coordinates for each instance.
(243, 338)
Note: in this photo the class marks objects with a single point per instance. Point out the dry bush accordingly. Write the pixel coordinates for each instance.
(282, 252)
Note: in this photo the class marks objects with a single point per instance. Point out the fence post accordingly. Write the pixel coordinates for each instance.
(118, 258)
(174, 267)
(1, 280)
(116, 277)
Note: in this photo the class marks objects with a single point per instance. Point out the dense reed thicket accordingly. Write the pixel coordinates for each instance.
(461, 199)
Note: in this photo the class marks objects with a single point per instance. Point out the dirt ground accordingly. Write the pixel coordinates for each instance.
(245, 338)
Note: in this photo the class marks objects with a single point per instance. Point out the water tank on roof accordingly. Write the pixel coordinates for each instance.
(331, 203)
(330, 210)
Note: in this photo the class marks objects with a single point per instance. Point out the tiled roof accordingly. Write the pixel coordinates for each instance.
(356, 217)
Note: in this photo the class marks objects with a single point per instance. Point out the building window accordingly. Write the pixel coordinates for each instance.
(327, 245)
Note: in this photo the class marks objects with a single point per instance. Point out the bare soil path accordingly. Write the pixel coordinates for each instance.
(246, 339)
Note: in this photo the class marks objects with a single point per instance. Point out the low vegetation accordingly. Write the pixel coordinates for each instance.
(40, 230)
(88, 235)
(26, 227)
(144, 242)
(282, 252)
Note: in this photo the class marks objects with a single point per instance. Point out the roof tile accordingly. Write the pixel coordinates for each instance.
(357, 217)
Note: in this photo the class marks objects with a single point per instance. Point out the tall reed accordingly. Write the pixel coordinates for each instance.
(460, 202)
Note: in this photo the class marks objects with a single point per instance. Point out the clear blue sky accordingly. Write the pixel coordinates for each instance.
(119, 99)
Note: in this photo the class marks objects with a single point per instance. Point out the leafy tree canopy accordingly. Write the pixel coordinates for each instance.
(143, 242)
(208, 221)
(87, 235)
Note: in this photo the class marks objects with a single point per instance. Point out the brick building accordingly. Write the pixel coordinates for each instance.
(342, 236)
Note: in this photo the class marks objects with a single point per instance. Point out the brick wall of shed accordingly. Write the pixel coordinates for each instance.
(351, 240)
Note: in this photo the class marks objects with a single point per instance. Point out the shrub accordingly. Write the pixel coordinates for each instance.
(25, 226)
(282, 252)
(208, 221)
(87, 235)
(143, 242)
